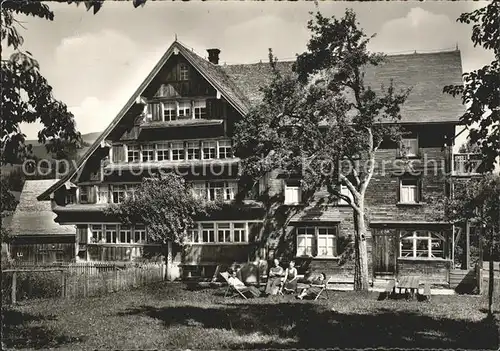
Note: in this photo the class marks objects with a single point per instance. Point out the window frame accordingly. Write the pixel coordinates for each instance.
(199, 109)
(288, 186)
(429, 237)
(148, 153)
(183, 71)
(181, 155)
(207, 150)
(171, 107)
(84, 191)
(417, 190)
(406, 151)
(133, 153)
(224, 149)
(162, 149)
(193, 150)
(314, 235)
(231, 230)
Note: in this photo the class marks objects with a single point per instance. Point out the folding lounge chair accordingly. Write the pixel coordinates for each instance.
(231, 288)
(323, 288)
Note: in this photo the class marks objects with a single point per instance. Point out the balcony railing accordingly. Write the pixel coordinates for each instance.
(466, 164)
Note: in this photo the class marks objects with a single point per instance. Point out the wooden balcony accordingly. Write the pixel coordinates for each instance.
(466, 164)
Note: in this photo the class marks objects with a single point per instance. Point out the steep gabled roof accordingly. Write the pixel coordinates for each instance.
(212, 73)
(33, 217)
(427, 74)
(240, 85)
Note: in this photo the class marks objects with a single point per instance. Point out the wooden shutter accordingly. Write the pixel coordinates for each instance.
(118, 153)
(92, 190)
(155, 110)
(214, 109)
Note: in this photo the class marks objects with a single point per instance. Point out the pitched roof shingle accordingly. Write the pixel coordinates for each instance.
(33, 217)
(426, 74)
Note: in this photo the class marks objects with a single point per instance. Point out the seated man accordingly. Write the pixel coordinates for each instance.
(315, 287)
(275, 278)
(238, 284)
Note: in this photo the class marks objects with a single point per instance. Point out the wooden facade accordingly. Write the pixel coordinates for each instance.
(183, 117)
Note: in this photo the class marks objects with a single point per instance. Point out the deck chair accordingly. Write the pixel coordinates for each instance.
(233, 289)
(324, 289)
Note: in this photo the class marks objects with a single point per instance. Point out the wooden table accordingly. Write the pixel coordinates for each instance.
(409, 284)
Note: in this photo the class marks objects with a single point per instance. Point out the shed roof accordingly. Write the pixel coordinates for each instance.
(33, 217)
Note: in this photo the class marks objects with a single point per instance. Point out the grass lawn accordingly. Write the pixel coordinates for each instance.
(168, 315)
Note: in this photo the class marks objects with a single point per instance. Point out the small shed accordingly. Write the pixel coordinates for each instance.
(36, 237)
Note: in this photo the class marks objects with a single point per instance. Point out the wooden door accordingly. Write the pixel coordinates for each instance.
(384, 254)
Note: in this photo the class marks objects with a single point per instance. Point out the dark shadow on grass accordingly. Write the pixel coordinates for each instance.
(19, 331)
(315, 326)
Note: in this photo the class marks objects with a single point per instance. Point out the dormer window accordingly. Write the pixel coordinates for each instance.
(183, 72)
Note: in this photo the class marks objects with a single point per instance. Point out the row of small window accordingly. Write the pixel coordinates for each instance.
(174, 110)
(209, 190)
(409, 192)
(218, 232)
(180, 150)
(117, 234)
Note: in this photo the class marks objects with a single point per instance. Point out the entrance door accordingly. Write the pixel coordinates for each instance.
(384, 253)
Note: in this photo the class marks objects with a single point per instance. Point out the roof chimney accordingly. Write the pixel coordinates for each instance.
(213, 56)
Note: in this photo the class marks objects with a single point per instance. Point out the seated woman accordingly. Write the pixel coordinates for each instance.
(238, 284)
(315, 287)
(290, 280)
(275, 278)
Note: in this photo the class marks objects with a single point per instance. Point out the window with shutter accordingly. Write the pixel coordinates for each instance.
(118, 154)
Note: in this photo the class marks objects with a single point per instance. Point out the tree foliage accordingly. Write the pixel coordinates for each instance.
(478, 202)
(8, 201)
(166, 205)
(322, 115)
(27, 96)
(481, 89)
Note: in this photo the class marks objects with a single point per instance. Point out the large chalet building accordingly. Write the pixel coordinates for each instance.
(183, 116)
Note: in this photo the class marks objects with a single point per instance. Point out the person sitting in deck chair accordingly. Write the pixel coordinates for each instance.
(316, 286)
(291, 278)
(238, 284)
(275, 278)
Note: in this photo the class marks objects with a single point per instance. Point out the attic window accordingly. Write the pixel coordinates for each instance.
(183, 72)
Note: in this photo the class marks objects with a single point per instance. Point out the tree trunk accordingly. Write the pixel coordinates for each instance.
(360, 252)
(491, 274)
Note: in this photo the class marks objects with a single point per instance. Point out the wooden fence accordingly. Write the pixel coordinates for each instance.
(76, 280)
